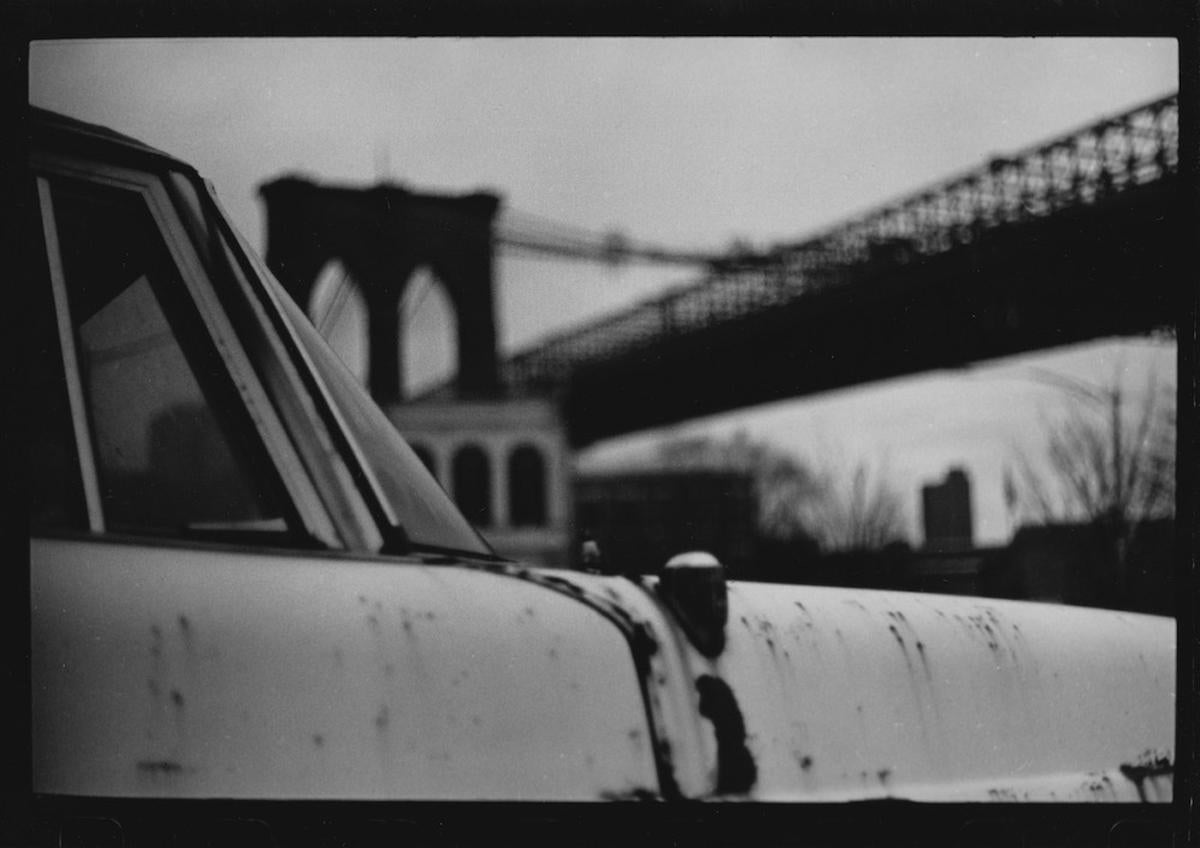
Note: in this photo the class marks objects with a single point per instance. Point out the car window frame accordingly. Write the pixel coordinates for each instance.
(381, 508)
(308, 522)
(382, 511)
(301, 394)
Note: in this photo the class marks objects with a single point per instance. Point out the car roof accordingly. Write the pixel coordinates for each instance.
(46, 124)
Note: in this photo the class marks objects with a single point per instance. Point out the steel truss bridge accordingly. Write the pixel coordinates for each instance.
(1065, 241)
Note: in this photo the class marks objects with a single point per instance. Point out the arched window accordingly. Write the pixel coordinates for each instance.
(426, 456)
(527, 487)
(473, 484)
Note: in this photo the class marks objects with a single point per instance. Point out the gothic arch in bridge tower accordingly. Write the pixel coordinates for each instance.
(382, 235)
(429, 329)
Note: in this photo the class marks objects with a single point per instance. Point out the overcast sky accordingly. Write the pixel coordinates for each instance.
(684, 143)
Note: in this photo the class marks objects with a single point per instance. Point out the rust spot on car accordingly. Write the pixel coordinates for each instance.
(637, 793)
(1150, 766)
(1099, 785)
(884, 775)
(185, 632)
(160, 767)
(806, 762)
(382, 718)
(924, 660)
(177, 698)
(635, 736)
(736, 769)
(362, 599)
(318, 740)
(564, 585)
(644, 643)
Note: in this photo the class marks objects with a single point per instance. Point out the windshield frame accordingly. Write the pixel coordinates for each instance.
(270, 294)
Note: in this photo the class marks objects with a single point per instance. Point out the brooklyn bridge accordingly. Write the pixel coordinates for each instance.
(1067, 240)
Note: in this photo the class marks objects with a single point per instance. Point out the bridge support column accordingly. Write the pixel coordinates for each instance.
(385, 375)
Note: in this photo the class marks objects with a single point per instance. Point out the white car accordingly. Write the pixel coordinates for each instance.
(247, 591)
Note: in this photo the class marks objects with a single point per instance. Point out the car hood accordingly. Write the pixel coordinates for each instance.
(205, 673)
(827, 694)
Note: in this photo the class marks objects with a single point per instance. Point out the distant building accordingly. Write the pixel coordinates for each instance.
(1077, 564)
(946, 511)
(506, 465)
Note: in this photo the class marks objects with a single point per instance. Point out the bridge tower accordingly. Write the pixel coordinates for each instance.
(382, 235)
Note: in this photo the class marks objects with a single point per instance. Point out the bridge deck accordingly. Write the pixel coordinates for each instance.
(1067, 240)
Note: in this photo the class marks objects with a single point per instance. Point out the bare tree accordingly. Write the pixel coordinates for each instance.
(1108, 463)
(1106, 459)
(782, 483)
(856, 511)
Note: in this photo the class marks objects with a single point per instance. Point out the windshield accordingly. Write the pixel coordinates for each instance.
(425, 512)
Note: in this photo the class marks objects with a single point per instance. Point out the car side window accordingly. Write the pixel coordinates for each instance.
(170, 447)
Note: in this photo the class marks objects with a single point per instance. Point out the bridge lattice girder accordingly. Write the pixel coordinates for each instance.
(1079, 169)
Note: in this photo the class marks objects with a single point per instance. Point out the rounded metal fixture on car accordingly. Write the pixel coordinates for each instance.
(693, 586)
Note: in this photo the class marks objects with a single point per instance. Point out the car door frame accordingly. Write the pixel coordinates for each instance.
(313, 479)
